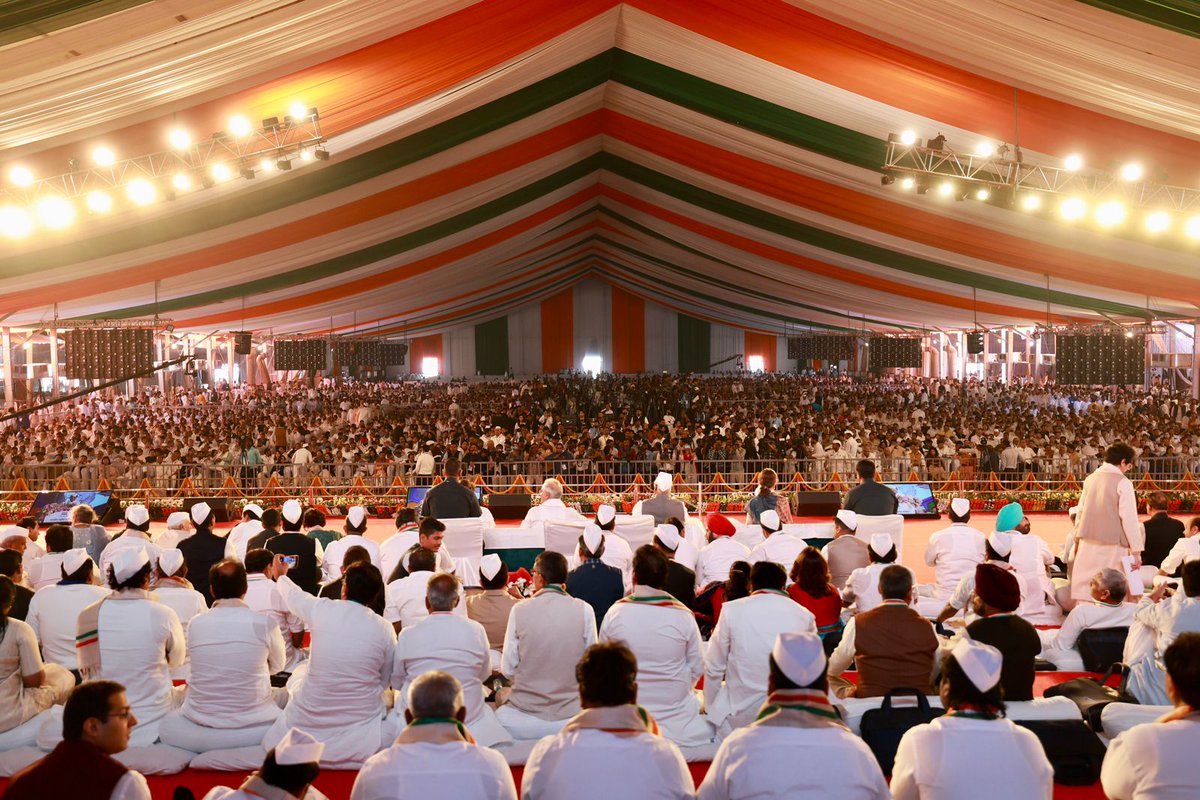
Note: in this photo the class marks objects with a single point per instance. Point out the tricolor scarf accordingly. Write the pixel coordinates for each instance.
(435, 730)
(627, 720)
(799, 708)
(550, 588)
(87, 631)
(647, 599)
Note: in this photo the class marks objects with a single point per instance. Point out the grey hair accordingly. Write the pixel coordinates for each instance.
(552, 488)
(1114, 581)
(442, 592)
(435, 694)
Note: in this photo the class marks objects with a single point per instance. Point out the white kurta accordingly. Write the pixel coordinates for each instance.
(45, 571)
(1186, 549)
(339, 698)
(393, 549)
(405, 599)
(1084, 617)
(449, 642)
(1030, 557)
(54, 614)
(1162, 623)
(592, 764)
(129, 539)
(1156, 760)
(262, 595)
(666, 642)
(553, 508)
(331, 563)
(186, 603)
(1091, 556)
(234, 652)
(763, 762)
(956, 757)
(782, 548)
(736, 661)
(961, 599)
(953, 552)
(863, 587)
(422, 770)
(239, 536)
(715, 559)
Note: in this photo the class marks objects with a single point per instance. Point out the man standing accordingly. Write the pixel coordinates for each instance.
(871, 498)
(1108, 528)
(450, 499)
(661, 506)
(97, 719)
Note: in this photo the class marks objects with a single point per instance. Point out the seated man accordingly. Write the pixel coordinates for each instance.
(596, 583)
(263, 596)
(97, 719)
(952, 552)
(663, 635)
(179, 527)
(846, 552)
(546, 637)
(174, 590)
(798, 748)
(661, 506)
(735, 664)
(617, 552)
(355, 528)
(54, 610)
(202, 549)
(1162, 532)
(287, 772)
(313, 524)
(492, 604)
(435, 755)
(715, 558)
(862, 587)
(997, 596)
(1032, 558)
(612, 746)
(291, 542)
(393, 548)
(451, 499)
(250, 526)
(551, 506)
(1160, 621)
(681, 581)
(430, 535)
(997, 549)
(234, 652)
(449, 642)
(777, 546)
(135, 536)
(404, 604)
(1186, 548)
(1108, 609)
(46, 571)
(352, 556)
(1159, 759)
(338, 695)
(28, 686)
(892, 646)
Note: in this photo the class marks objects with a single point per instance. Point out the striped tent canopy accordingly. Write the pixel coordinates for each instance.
(717, 157)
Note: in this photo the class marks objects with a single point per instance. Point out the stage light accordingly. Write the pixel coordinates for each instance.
(907, 184)
(1110, 213)
(1031, 201)
(266, 165)
(945, 188)
(937, 143)
(982, 194)
(15, 223)
(181, 181)
(104, 156)
(306, 156)
(220, 171)
(20, 176)
(246, 172)
(1073, 208)
(908, 138)
(1131, 172)
(239, 126)
(1192, 228)
(1128, 334)
(141, 191)
(99, 202)
(298, 111)
(283, 164)
(1158, 221)
(886, 180)
(321, 155)
(985, 149)
(55, 213)
(179, 138)
(1073, 162)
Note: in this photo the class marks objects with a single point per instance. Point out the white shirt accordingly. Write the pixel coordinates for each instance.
(1154, 761)
(554, 508)
(1168, 618)
(953, 552)
(763, 762)
(1083, 617)
(234, 651)
(405, 601)
(445, 641)
(862, 587)
(393, 549)
(780, 547)
(128, 539)
(131, 786)
(423, 770)
(331, 563)
(591, 764)
(956, 757)
(263, 596)
(1185, 549)
(185, 602)
(966, 587)
(45, 571)
(739, 649)
(715, 559)
(54, 614)
(239, 536)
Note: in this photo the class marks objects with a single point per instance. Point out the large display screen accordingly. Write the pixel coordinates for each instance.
(916, 499)
(53, 508)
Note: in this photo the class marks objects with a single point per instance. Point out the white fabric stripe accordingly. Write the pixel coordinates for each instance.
(662, 338)
(592, 318)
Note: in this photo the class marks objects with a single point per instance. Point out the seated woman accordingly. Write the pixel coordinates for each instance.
(766, 498)
(812, 588)
(27, 686)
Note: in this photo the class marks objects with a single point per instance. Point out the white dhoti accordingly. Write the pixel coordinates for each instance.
(524, 726)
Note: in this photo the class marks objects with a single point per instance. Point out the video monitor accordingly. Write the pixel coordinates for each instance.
(916, 500)
(53, 508)
(416, 495)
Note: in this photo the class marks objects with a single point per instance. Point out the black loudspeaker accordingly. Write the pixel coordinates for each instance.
(975, 343)
(219, 505)
(510, 506)
(241, 343)
(817, 504)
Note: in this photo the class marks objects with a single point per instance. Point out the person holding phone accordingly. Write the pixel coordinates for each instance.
(305, 550)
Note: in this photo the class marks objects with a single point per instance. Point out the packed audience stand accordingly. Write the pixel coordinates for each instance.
(285, 646)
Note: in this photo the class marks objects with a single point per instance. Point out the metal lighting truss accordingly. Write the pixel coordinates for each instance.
(1000, 172)
(278, 140)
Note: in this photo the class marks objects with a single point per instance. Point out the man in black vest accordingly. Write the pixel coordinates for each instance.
(450, 499)
(681, 581)
(202, 549)
(1162, 532)
(306, 571)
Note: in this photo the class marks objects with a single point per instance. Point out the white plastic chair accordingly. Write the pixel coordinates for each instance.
(562, 536)
(464, 543)
(892, 525)
(635, 530)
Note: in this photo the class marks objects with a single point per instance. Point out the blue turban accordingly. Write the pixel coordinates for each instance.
(1010, 517)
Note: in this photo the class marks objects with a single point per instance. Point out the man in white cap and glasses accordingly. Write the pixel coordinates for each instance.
(287, 773)
(777, 545)
(661, 506)
(436, 754)
(797, 748)
(972, 751)
(681, 581)
(492, 603)
(355, 528)
(846, 552)
(250, 526)
(134, 537)
(131, 638)
(451, 643)
(203, 548)
(551, 506)
(952, 552)
(304, 551)
(997, 549)
(54, 609)
(179, 527)
(592, 581)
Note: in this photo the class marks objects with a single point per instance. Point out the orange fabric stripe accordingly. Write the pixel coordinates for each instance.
(558, 332)
(422, 347)
(628, 331)
(761, 344)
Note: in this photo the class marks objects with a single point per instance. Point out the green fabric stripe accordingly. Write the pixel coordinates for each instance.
(27, 19)
(491, 347)
(695, 344)
(1181, 16)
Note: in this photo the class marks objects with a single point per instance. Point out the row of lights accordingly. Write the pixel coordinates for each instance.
(1131, 172)
(55, 212)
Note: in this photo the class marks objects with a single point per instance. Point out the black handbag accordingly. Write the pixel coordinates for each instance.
(1092, 694)
(883, 727)
(1071, 748)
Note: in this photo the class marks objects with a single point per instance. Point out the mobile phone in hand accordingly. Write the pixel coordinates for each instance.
(291, 561)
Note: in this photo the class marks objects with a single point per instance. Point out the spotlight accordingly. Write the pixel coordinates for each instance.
(141, 191)
(270, 123)
(908, 138)
(1110, 213)
(221, 172)
(1128, 334)
(239, 126)
(1192, 228)
(1131, 172)
(298, 111)
(99, 202)
(922, 187)
(104, 157)
(20, 176)
(984, 149)
(55, 213)
(907, 184)
(937, 143)
(1073, 162)
(283, 164)
(266, 165)
(945, 188)
(886, 180)
(322, 155)
(179, 138)
(306, 155)
(15, 222)
(1031, 202)
(1158, 221)
(181, 181)
(982, 194)
(246, 172)
(1073, 208)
